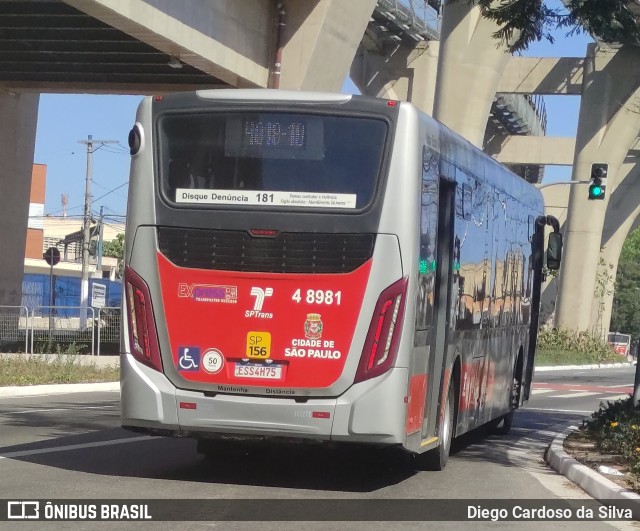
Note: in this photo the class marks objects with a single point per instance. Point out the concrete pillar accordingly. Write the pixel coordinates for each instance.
(19, 114)
(470, 66)
(406, 73)
(622, 218)
(608, 126)
(321, 39)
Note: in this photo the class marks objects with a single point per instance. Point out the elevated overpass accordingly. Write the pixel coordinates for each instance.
(399, 32)
(150, 46)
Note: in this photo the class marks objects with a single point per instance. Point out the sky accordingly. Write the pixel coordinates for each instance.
(66, 120)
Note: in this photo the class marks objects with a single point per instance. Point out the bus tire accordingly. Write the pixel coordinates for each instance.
(502, 426)
(505, 426)
(437, 458)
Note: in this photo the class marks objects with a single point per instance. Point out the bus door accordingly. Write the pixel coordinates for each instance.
(439, 339)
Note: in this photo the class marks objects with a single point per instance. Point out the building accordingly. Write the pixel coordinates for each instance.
(52, 231)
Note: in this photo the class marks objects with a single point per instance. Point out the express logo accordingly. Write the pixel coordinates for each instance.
(260, 294)
(209, 293)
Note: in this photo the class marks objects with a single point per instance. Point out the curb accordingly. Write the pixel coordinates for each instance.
(593, 483)
(57, 389)
(582, 367)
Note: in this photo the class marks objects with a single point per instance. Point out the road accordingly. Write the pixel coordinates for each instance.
(71, 446)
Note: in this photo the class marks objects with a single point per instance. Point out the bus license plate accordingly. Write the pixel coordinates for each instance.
(255, 370)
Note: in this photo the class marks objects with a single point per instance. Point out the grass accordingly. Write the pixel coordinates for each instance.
(565, 347)
(52, 369)
(559, 356)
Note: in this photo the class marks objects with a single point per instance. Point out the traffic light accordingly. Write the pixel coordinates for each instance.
(597, 186)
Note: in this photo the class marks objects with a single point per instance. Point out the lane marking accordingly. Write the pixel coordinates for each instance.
(541, 391)
(53, 449)
(558, 410)
(615, 397)
(575, 394)
(56, 409)
(602, 389)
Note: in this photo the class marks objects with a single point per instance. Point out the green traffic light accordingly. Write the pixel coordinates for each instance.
(596, 189)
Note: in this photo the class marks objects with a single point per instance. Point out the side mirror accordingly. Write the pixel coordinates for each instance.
(554, 251)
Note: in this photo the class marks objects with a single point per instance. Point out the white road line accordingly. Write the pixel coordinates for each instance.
(56, 409)
(576, 394)
(541, 391)
(615, 397)
(53, 449)
(558, 410)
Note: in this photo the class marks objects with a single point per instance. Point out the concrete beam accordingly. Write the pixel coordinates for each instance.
(17, 140)
(470, 66)
(322, 37)
(224, 38)
(541, 150)
(542, 75)
(407, 73)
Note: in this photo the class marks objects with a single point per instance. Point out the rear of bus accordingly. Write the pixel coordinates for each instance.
(621, 343)
(264, 283)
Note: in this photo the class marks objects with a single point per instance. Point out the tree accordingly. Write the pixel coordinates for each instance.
(525, 21)
(115, 249)
(625, 316)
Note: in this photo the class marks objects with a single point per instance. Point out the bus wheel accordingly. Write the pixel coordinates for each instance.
(502, 426)
(437, 458)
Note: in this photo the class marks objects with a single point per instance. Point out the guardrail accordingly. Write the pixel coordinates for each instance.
(65, 329)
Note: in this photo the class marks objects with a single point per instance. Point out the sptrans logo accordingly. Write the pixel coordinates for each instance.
(260, 294)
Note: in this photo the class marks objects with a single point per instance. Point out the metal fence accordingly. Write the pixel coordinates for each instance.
(14, 327)
(65, 329)
(108, 329)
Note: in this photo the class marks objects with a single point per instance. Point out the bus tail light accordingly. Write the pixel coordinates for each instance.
(381, 346)
(143, 340)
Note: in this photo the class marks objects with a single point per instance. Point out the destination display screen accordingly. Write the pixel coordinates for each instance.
(275, 136)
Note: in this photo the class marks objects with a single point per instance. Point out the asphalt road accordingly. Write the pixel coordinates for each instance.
(71, 446)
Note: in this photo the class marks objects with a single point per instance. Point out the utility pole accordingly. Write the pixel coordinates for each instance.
(86, 226)
(100, 239)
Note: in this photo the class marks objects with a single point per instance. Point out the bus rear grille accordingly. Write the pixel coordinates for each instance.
(289, 252)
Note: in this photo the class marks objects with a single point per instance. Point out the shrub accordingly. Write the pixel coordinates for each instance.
(615, 429)
(592, 347)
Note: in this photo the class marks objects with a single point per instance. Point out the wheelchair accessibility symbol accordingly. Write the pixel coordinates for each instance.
(188, 358)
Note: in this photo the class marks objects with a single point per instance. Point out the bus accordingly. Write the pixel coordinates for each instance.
(324, 267)
(621, 343)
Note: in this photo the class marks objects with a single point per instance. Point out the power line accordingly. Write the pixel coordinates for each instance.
(111, 191)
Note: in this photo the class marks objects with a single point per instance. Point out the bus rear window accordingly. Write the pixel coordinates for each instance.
(292, 160)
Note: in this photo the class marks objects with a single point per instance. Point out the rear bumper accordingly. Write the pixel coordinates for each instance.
(369, 412)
